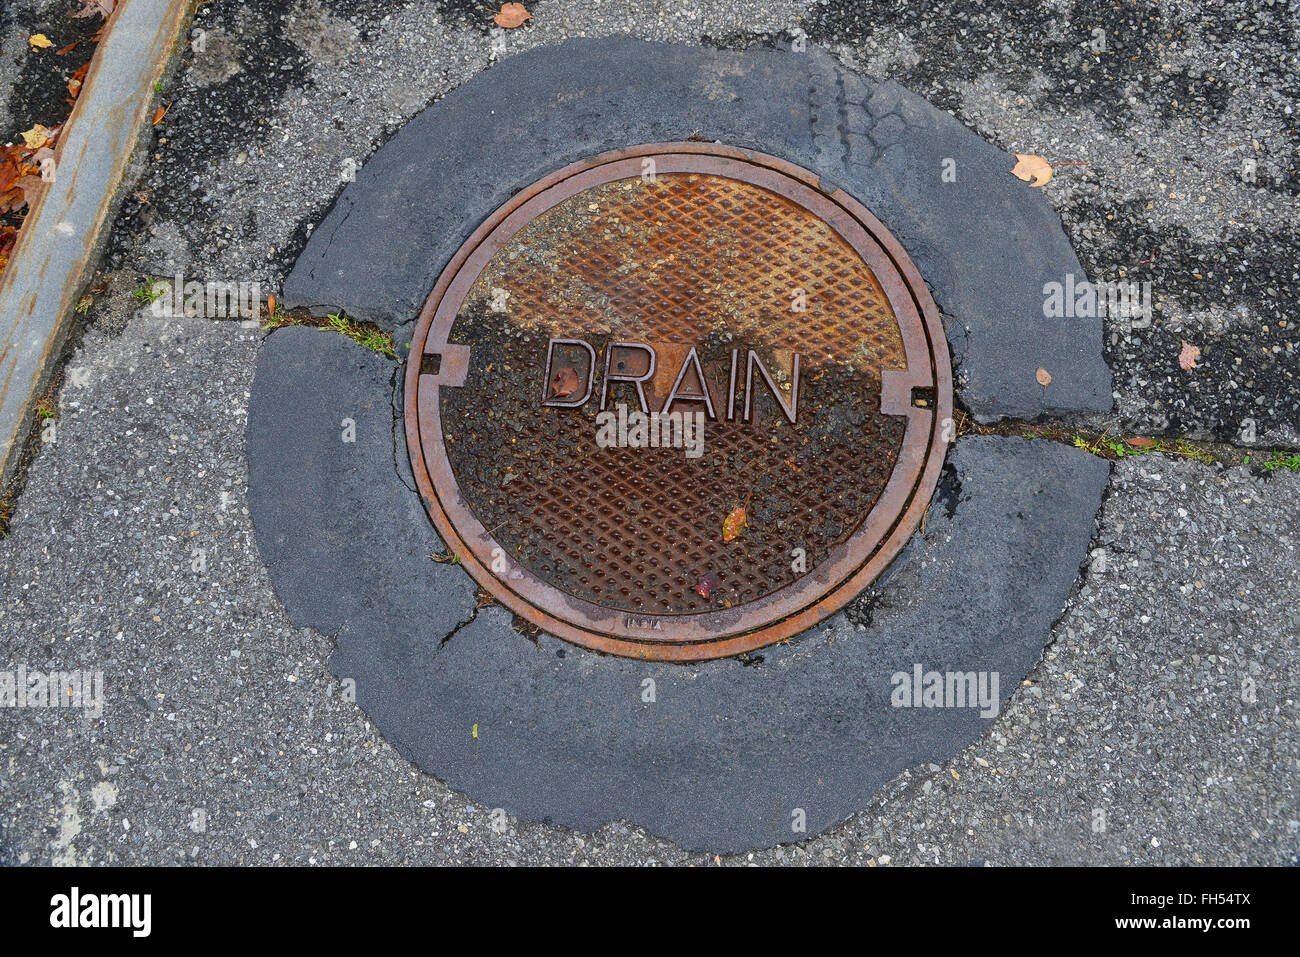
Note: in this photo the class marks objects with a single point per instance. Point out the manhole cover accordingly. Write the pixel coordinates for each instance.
(636, 348)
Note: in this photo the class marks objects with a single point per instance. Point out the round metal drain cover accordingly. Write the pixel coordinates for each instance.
(678, 403)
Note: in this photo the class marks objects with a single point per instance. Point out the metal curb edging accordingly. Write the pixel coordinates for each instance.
(65, 231)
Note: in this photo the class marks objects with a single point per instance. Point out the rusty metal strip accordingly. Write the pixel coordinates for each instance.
(60, 239)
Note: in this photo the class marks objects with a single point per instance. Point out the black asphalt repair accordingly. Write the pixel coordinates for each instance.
(729, 754)
(985, 243)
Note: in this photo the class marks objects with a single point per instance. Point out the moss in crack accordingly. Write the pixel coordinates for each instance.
(362, 333)
(1104, 444)
(1113, 448)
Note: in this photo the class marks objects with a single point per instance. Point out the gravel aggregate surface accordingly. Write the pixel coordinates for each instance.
(216, 703)
(1159, 726)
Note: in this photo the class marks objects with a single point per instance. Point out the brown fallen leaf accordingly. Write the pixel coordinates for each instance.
(68, 49)
(708, 584)
(90, 8)
(1187, 358)
(31, 187)
(512, 15)
(159, 113)
(1044, 377)
(9, 173)
(74, 84)
(270, 305)
(1034, 170)
(734, 523)
(39, 41)
(1140, 442)
(8, 236)
(564, 382)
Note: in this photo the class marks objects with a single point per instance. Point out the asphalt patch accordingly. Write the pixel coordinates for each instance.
(726, 755)
(884, 146)
(729, 754)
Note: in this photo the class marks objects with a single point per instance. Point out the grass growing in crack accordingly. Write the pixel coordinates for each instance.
(1101, 444)
(1111, 448)
(367, 336)
(445, 558)
(45, 408)
(362, 333)
(147, 292)
(1280, 460)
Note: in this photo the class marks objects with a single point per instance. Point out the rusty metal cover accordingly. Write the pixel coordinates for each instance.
(678, 403)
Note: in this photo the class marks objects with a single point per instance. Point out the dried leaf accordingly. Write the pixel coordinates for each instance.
(708, 584)
(36, 137)
(1187, 358)
(159, 113)
(1044, 377)
(512, 15)
(39, 41)
(1034, 170)
(9, 173)
(734, 523)
(90, 8)
(68, 49)
(8, 235)
(74, 85)
(11, 200)
(270, 304)
(564, 382)
(1140, 442)
(31, 187)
